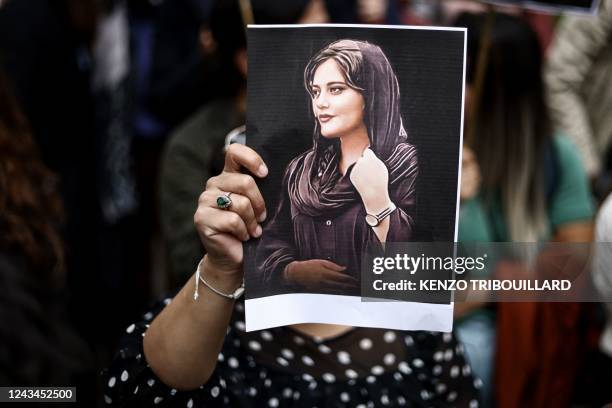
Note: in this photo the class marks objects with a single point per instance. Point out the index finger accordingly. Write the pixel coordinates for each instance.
(239, 156)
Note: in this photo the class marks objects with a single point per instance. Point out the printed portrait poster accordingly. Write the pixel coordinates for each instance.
(361, 129)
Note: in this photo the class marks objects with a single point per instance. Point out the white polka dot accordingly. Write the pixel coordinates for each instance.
(448, 355)
(108, 399)
(344, 397)
(370, 379)
(398, 376)
(473, 404)
(418, 363)
(288, 354)
(214, 391)
(267, 383)
(239, 307)
(404, 367)
(222, 383)
(287, 393)
(459, 349)
(148, 316)
(296, 395)
(151, 382)
(329, 378)
(130, 328)
(324, 349)
(447, 337)
(252, 391)
(307, 377)
(438, 356)
(451, 396)
(254, 345)
(377, 370)
(111, 382)
(157, 400)
(308, 361)
(282, 361)
(298, 340)
(124, 376)
(389, 359)
(267, 336)
(190, 403)
(350, 373)
(389, 337)
(441, 388)
(424, 395)
(273, 402)
(344, 357)
(240, 325)
(422, 377)
(167, 301)
(173, 391)
(409, 340)
(454, 371)
(312, 385)
(384, 400)
(466, 370)
(233, 362)
(221, 357)
(437, 370)
(361, 406)
(477, 383)
(136, 390)
(365, 344)
(401, 400)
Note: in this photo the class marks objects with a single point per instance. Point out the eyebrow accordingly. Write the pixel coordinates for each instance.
(331, 83)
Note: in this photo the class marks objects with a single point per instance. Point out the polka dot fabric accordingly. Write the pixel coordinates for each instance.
(282, 368)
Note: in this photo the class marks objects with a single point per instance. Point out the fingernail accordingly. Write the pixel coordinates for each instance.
(263, 216)
(258, 231)
(262, 170)
(246, 237)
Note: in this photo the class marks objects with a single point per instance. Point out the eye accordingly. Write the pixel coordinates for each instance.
(335, 90)
(314, 92)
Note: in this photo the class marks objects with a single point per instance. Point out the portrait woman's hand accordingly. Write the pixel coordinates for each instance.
(222, 231)
(370, 177)
(319, 274)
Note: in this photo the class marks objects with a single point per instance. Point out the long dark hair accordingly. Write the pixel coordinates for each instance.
(30, 206)
(367, 70)
(512, 130)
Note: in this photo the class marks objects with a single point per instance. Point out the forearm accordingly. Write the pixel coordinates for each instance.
(183, 342)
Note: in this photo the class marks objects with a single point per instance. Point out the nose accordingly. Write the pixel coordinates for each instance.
(321, 101)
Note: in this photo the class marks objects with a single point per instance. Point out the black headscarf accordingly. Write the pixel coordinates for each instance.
(313, 178)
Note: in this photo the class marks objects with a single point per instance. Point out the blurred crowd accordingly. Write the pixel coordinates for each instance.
(113, 113)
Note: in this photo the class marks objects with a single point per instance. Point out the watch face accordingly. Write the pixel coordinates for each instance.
(371, 220)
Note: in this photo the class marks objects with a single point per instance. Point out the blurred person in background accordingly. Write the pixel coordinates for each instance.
(521, 183)
(69, 62)
(38, 344)
(194, 151)
(579, 92)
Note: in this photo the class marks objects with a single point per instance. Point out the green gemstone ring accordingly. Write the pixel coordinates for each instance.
(224, 201)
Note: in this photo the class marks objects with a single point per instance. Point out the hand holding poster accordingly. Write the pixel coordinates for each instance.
(361, 129)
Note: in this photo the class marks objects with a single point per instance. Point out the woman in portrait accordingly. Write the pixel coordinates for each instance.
(355, 186)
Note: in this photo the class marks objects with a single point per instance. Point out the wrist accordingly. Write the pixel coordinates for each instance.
(221, 277)
(376, 204)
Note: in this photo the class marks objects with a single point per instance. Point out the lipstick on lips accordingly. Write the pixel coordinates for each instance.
(325, 118)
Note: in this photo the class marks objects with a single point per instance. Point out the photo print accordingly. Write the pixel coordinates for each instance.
(361, 129)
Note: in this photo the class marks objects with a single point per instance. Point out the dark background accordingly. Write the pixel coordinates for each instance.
(429, 68)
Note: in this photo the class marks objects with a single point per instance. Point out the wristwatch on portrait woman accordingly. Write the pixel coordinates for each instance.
(373, 220)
